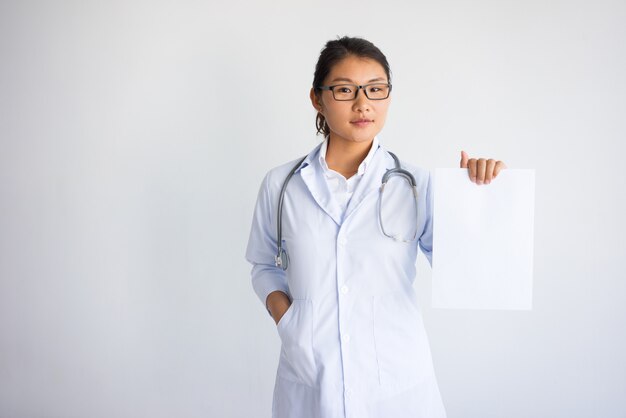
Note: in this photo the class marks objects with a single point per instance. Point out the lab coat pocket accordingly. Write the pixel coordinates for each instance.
(399, 342)
(295, 329)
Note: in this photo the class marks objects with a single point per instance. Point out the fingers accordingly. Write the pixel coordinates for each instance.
(498, 167)
(489, 170)
(481, 170)
(481, 167)
(464, 159)
(471, 166)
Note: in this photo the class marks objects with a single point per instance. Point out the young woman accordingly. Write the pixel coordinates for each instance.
(334, 253)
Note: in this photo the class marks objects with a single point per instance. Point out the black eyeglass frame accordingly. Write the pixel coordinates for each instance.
(356, 92)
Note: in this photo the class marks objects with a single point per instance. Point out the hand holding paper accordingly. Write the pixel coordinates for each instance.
(481, 170)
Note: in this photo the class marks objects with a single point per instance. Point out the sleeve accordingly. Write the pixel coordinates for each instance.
(265, 276)
(426, 239)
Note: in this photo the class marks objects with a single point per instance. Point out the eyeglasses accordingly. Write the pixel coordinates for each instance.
(345, 92)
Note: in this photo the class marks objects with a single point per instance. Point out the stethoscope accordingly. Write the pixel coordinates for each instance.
(281, 259)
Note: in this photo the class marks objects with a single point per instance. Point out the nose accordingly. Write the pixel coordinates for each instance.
(361, 103)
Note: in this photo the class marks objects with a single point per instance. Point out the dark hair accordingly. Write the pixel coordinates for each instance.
(335, 51)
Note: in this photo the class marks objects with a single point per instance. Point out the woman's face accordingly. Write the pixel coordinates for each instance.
(357, 120)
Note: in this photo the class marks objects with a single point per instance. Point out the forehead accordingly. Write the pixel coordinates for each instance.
(357, 69)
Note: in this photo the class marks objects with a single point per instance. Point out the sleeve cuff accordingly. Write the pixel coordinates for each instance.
(268, 279)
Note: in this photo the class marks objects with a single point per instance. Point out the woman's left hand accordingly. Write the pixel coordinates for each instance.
(481, 170)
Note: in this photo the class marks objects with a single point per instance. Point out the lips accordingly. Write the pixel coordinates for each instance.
(361, 121)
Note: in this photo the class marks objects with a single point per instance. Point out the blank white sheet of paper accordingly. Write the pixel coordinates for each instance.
(483, 240)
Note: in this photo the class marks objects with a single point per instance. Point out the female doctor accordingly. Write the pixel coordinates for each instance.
(335, 267)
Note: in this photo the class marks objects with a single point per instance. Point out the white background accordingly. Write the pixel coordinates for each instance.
(135, 134)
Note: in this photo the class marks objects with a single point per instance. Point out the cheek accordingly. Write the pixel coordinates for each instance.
(334, 113)
(383, 106)
(382, 112)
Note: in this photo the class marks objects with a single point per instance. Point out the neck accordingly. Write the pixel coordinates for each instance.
(345, 156)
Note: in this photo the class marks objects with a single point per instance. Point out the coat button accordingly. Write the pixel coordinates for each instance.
(344, 289)
(346, 338)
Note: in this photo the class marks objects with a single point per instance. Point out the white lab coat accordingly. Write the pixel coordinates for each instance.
(353, 340)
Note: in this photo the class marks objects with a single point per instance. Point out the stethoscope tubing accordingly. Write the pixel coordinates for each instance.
(281, 259)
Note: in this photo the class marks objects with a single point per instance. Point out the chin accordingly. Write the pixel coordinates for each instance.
(362, 135)
(365, 136)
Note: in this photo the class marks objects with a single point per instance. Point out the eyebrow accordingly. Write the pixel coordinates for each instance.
(350, 81)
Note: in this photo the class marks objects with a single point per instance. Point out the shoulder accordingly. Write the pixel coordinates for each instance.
(275, 177)
(422, 175)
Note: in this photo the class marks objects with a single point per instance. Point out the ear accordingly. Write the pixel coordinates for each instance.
(317, 104)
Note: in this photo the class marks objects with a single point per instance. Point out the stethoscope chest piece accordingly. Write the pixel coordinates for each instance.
(281, 259)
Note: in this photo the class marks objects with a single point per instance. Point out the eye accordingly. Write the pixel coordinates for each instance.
(376, 88)
(343, 89)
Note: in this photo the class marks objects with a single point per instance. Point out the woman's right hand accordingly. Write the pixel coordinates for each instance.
(278, 302)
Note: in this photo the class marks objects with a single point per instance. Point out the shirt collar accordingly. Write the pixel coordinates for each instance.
(362, 166)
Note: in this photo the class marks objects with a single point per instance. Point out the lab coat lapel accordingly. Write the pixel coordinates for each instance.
(313, 177)
(371, 180)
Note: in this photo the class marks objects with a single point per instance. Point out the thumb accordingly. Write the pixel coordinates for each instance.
(464, 158)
